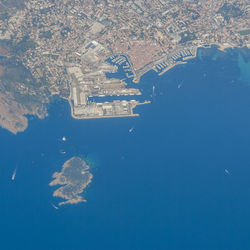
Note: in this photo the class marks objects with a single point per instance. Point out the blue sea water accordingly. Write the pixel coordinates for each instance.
(163, 186)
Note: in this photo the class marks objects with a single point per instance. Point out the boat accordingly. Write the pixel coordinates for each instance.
(153, 90)
(131, 130)
(180, 85)
(54, 206)
(14, 175)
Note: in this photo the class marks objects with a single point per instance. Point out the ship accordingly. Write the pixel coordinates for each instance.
(62, 152)
(54, 206)
(13, 175)
(180, 85)
(131, 130)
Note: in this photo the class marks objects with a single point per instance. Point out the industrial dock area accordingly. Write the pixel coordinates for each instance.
(88, 79)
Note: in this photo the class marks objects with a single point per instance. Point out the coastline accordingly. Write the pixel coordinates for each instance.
(147, 68)
(67, 181)
(167, 69)
(103, 117)
(177, 154)
(136, 79)
(221, 47)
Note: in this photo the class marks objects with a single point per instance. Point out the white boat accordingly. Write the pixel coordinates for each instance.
(54, 206)
(153, 90)
(180, 85)
(131, 130)
(13, 175)
(227, 172)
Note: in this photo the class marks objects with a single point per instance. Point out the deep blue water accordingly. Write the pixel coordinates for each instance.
(163, 186)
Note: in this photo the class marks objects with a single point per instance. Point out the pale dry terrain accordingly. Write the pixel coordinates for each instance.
(74, 178)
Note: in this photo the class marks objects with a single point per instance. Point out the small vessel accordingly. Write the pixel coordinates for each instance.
(62, 151)
(180, 85)
(227, 172)
(131, 130)
(14, 175)
(64, 138)
(153, 89)
(54, 206)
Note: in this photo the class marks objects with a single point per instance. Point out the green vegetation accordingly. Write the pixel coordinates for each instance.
(64, 32)
(43, 81)
(28, 101)
(187, 36)
(24, 45)
(45, 11)
(174, 14)
(4, 16)
(45, 34)
(5, 43)
(14, 75)
(244, 32)
(228, 11)
(15, 71)
(52, 56)
(18, 4)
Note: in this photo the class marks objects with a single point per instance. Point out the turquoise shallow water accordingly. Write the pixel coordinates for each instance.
(163, 186)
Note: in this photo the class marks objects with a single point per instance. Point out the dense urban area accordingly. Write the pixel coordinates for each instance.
(66, 47)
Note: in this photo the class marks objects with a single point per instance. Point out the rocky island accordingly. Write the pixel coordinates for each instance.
(74, 177)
